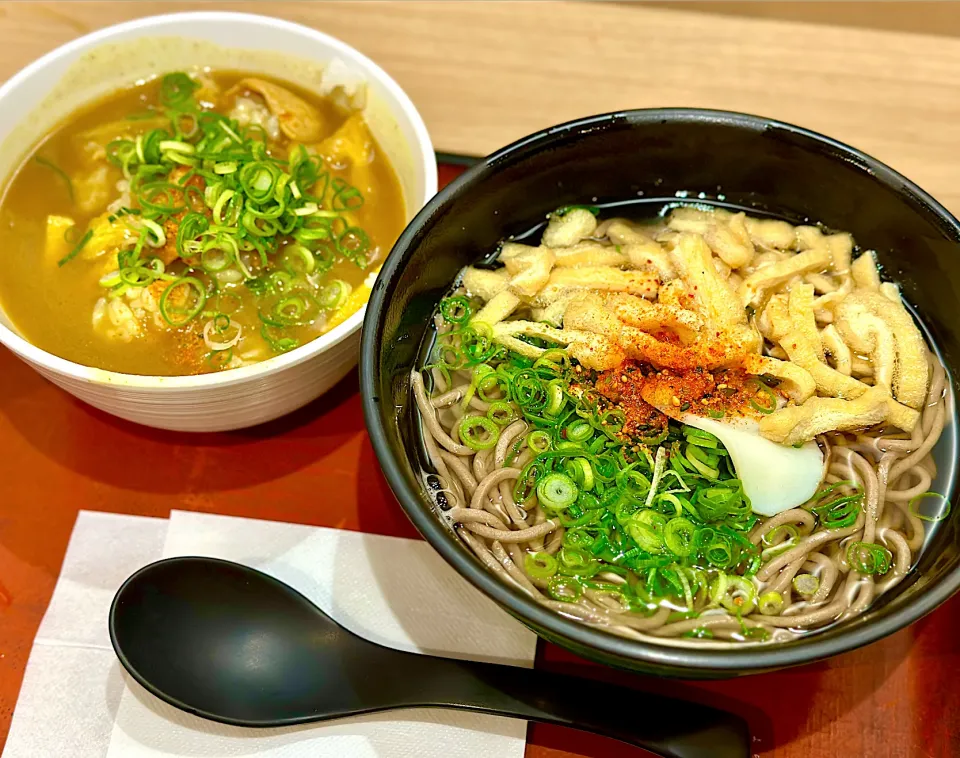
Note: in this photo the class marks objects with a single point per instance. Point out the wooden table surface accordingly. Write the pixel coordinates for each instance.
(483, 74)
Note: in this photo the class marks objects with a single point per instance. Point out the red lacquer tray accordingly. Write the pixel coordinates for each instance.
(899, 698)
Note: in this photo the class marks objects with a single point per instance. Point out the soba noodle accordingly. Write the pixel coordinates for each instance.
(798, 570)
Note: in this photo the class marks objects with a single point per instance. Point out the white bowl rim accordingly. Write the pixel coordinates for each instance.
(64, 367)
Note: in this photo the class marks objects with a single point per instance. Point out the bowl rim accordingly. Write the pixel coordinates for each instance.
(689, 660)
(422, 143)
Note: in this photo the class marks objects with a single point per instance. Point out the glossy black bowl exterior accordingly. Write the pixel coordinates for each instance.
(658, 155)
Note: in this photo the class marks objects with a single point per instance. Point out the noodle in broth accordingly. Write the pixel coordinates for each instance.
(609, 508)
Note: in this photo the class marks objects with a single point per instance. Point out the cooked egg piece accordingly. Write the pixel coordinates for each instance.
(56, 242)
(775, 477)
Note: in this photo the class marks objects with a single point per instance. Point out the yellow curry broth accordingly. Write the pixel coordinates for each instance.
(44, 216)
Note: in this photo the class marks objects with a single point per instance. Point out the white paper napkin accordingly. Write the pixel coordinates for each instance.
(73, 682)
(76, 703)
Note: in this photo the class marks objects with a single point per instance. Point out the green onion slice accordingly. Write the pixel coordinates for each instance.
(76, 250)
(176, 90)
(678, 536)
(538, 441)
(806, 584)
(557, 492)
(182, 300)
(869, 558)
(479, 432)
(774, 536)
(736, 594)
(942, 508)
(59, 172)
(540, 565)
(770, 603)
(501, 413)
(334, 294)
(762, 398)
(566, 589)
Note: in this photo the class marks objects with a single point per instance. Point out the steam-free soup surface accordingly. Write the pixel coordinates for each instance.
(196, 223)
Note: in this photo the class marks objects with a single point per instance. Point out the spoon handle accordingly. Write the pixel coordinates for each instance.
(665, 726)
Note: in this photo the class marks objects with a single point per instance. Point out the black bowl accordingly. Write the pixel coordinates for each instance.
(659, 156)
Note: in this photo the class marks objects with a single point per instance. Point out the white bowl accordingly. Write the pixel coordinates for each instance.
(48, 90)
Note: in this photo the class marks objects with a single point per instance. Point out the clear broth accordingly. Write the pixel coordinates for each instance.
(651, 211)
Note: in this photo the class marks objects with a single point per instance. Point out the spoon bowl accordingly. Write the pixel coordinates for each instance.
(231, 644)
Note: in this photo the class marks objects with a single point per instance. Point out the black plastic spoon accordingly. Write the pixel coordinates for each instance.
(231, 644)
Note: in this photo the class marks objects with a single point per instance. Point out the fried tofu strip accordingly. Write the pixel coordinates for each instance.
(800, 308)
(534, 329)
(867, 334)
(706, 353)
(811, 238)
(569, 228)
(901, 416)
(714, 298)
(822, 283)
(479, 282)
(911, 372)
(588, 312)
(589, 253)
(797, 383)
(771, 234)
(592, 350)
(839, 351)
(829, 381)
(653, 317)
(774, 320)
(890, 291)
(641, 252)
(801, 423)
(864, 271)
(597, 352)
(586, 253)
(649, 256)
(591, 314)
(497, 308)
(598, 278)
(776, 274)
(530, 271)
(554, 312)
(841, 251)
(675, 293)
(829, 300)
(620, 231)
(725, 233)
(299, 120)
